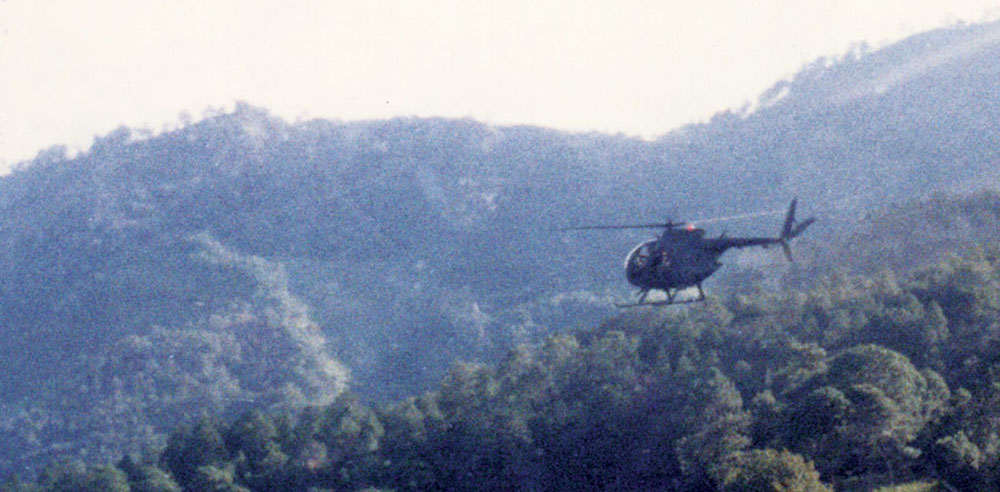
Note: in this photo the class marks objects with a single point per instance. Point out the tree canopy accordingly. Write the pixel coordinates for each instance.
(801, 391)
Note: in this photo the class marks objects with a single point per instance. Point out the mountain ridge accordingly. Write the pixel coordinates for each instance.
(412, 242)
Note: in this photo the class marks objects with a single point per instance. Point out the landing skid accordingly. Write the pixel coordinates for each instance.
(671, 295)
(657, 303)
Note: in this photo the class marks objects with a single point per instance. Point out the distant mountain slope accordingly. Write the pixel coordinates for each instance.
(909, 119)
(916, 234)
(402, 245)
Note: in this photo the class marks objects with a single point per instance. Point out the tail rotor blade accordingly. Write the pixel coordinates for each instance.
(788, 251)
(790, 230)
(786, 230)
(801, 227)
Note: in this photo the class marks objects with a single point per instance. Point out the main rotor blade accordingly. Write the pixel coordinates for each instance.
(629, 226)
(750, 215)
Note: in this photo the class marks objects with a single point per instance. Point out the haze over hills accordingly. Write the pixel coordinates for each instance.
(243, 261)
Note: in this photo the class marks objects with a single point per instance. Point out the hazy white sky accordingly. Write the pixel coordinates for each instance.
(70, 70)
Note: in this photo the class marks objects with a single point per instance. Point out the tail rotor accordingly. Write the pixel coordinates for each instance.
(790, 229)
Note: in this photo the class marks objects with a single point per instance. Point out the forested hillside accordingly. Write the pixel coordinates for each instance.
(242, 262)
(860, 382)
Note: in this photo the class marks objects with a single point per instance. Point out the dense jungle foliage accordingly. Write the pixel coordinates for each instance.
(857, 383)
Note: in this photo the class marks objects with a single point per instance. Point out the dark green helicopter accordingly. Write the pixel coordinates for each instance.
(683, 257)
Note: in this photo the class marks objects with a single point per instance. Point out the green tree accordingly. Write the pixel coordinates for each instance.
(253, 437)
(349, 434)
(965, 288)
(74, 477)
(965, 446)
(715, 429)
(767, 470)
(214, 479)
(409, 427)
(586, 419)
(14, 484)
(192, 447)
(482, 415)
(147, 477)
(963, 463)
(798, 363)
(863, 413)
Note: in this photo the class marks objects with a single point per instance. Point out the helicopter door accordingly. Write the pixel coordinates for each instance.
(639, 256)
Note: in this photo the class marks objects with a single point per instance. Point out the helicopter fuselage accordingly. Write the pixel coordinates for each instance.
(677, 260)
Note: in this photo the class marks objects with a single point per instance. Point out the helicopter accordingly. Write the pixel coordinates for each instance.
(683, 257)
